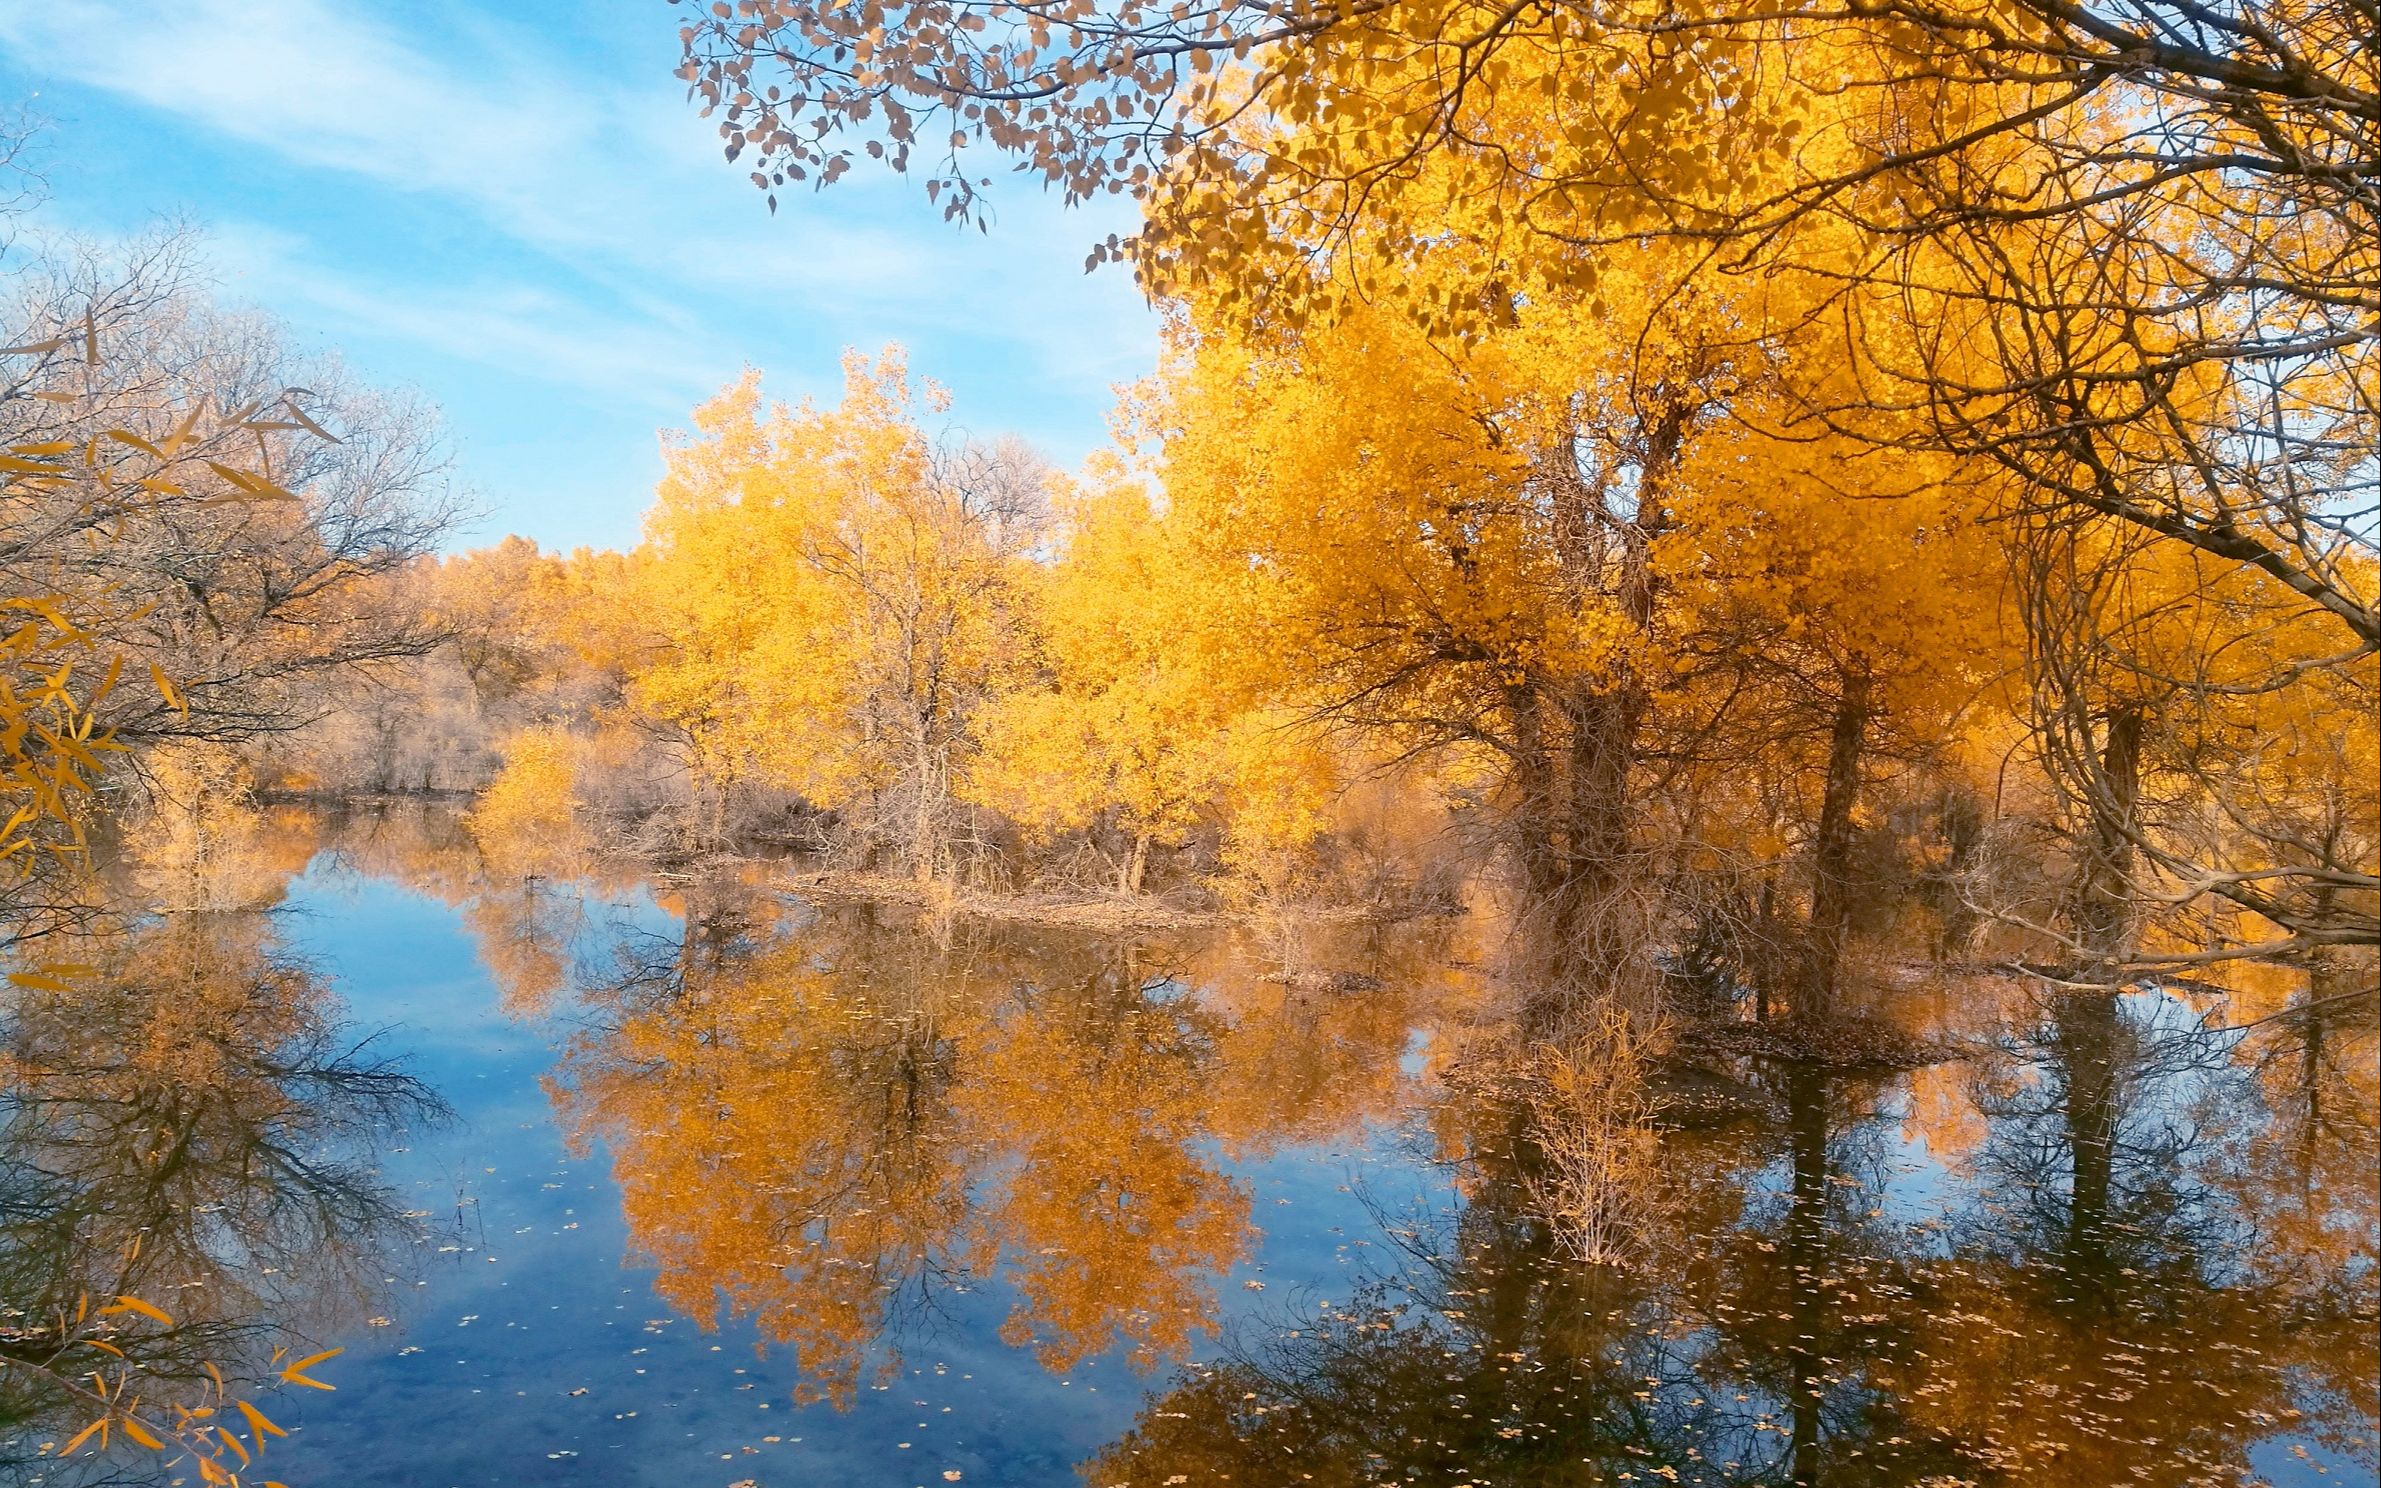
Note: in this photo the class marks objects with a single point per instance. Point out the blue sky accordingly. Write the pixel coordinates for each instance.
(515, 210)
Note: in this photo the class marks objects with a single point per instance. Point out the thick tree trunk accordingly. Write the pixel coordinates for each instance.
(1573, 838)
(1537, 834)
(1603, 749)
(925, 816)
(1136, 865)
(2104, 890)
(1957, 920)
(1595, 824)
(1831, 889)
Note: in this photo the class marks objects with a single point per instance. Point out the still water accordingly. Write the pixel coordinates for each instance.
(621, 1179)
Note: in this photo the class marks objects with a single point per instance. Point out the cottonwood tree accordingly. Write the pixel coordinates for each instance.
(833, 597)
(2123, 255)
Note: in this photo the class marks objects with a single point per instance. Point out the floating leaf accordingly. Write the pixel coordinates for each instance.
(295, 1374)
(135, 1304)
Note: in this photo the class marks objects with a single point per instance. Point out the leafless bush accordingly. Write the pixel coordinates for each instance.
(1592, 1112)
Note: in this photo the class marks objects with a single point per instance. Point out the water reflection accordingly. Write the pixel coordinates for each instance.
(189, 1122)
(2116, 1295)
(832, 1124)
(2114, 1242)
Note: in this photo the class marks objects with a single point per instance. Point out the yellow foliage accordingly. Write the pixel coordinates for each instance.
(829, 597)
(527, 813)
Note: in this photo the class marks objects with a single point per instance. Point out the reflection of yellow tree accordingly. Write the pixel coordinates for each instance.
(521, 881)
(1116, 1225)
(196, 1090)
(2163, 1394)
(2308, 1174)
(1942, 1115)
(783, 1144)
(2142, 1297)
(188, 1124)
(822, 1127)
(1789, 1335)
(1306, 1058)
(203, 842)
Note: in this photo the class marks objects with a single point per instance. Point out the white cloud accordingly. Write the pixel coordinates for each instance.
(581, 168)
(528, 190)
(515, 326)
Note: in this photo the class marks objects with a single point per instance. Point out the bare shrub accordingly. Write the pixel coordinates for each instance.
(1592, 1111)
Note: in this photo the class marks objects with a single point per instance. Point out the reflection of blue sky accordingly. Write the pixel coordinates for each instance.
(516, 211)
(527, 1344)
(539, 1296)
(1877, 1156)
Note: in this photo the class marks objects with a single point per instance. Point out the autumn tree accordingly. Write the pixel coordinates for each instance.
(178, 510)
(188, 550)
(832, 597)
(1573, 570)
(1841, 620)
(1148, 717)
(2121, 257)
(209, 504)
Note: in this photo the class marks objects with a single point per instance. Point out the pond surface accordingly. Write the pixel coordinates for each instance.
(692, 1182)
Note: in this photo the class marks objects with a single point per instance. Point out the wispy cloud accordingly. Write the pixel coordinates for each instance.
(514, 326)
(584, 168)
(585, 236)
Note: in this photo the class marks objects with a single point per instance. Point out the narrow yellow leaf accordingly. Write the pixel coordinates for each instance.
(259, 1424)
(126, 436)
(166, 689)
(135, 1304)
(296, 1373)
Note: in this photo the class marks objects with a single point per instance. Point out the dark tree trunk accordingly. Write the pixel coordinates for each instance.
(2104, 891)
(1572, 820)
(1831, 889)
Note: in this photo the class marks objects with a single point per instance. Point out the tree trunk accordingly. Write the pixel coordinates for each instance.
(1603, 748)
(1831, 890)
(2104, 892)
(1763, 962)
(1128, 879)
(925, 847)
(1537, 836)
(1957, 920)
(1574, 839)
